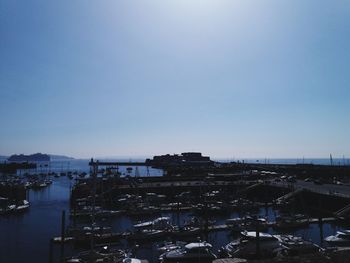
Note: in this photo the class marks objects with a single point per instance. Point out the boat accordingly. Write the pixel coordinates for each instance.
(131, 260)
(294, 245)
(24, 205)
(246, 246)
(151, 229)
(291, 222)
(159, 223)
(38, 185)
(169, 246)
(105, 254)
(60, 239)
(234, 221)
(48, 182)
(27, 185)
(192, 252)
(341, 238)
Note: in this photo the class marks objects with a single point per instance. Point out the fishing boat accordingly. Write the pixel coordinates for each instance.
(192, 252)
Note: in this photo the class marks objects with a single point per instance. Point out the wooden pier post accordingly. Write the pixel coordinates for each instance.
(74, 213)
(63, 228)
(50, 251)
(257, 239)
(320, 224)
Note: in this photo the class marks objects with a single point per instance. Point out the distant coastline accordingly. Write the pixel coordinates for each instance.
(37, 157)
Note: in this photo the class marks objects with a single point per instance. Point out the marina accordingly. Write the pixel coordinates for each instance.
(133, 214)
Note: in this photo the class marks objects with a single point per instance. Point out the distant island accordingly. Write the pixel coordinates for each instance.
(37, 157)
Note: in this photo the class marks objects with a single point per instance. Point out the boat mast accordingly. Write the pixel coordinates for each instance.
(331, 159)
(93, 171)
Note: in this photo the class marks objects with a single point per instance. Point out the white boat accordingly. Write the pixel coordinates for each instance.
(341, 238)
(23, 206)
(131, 260)
(60, 239)
(192, 252)
(159, 224)
(294, 245)
(169, 246)
(104, 254)
(246, 246)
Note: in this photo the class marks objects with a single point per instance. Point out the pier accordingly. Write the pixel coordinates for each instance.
(111, 164)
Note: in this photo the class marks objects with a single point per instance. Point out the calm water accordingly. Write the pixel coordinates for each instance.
(25, 238)
(83, 166)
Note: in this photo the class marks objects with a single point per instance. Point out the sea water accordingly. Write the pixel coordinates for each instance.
(25, 237)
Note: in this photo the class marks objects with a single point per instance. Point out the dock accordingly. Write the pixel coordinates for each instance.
(111, 164)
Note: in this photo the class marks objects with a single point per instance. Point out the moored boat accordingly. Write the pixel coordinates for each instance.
(294, 245)
(22, 206)
(341, 238)
(192, 252)
(247, 246)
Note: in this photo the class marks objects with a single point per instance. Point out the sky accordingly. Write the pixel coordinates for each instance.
(228, 78)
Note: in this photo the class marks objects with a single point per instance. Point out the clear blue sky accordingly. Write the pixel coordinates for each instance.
(243, 79)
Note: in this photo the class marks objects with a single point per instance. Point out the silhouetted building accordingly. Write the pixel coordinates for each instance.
(183, 159)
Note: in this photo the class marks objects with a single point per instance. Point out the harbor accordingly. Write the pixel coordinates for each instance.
(123, 207)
